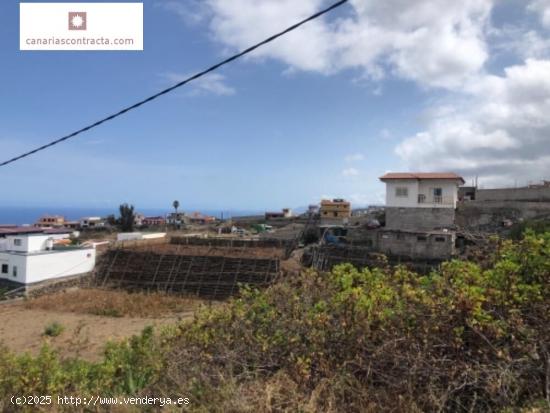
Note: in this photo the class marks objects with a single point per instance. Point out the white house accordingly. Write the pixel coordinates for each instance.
(31, 255)
(92, 222)
(421, 189)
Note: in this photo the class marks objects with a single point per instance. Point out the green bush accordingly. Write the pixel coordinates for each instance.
(54, 329)
(126, 368)
(459, 339)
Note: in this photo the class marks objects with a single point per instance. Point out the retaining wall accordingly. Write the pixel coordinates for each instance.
(514, 194)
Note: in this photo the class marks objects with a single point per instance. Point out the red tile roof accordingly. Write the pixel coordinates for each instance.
(421, 175)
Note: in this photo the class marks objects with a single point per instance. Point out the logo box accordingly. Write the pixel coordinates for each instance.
(81, 26)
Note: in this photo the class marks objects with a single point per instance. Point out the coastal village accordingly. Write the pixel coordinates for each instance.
(427, 218)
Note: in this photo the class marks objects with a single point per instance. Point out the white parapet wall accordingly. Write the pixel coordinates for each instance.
(133, 236)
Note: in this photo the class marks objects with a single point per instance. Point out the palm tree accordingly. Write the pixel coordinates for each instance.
(176, 221)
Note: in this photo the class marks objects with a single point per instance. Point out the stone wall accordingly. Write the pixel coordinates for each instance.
(514, 194)
(490, 215)
(419, 219)
(417, 245)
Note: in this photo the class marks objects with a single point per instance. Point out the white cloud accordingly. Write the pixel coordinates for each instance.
(542, 7)
(212, 83)
(355, 157)
(350, 172)
(435, 43)
(501, 132)
(191, 12)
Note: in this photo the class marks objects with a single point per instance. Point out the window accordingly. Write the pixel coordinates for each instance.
(402, 192)
(438, 195)
(17, 242)
(5, 268)
(14, 271)
(440, 239)
(421, 198)
(421, 238)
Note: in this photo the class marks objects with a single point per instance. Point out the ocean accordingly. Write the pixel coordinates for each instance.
(29, 215)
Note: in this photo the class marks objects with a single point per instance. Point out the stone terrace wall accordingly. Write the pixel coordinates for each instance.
(514, 194)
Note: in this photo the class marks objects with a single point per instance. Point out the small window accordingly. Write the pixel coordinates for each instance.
(438, 191)
(440, 239)
(421, 198)
(5, 268)
(421, 238)
(14, 271)
(17, 242)
(402, 192)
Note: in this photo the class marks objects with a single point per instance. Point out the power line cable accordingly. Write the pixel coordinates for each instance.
(177, 85)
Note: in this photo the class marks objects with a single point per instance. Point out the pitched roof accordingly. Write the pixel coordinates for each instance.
(421, 175)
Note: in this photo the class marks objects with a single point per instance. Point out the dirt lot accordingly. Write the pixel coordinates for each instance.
(22, 323)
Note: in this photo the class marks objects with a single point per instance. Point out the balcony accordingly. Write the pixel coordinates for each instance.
(435, 200)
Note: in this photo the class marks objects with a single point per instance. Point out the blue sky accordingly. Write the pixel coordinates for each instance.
(322, 113)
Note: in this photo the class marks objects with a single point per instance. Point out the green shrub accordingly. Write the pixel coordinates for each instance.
(460, 339)
(53, 329)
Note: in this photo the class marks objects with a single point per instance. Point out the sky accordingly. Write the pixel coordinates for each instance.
(377, 86)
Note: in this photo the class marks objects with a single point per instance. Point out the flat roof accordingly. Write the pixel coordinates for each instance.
(421, 175)
(15, 230)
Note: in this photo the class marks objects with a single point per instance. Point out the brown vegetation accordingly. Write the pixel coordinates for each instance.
(115, 303)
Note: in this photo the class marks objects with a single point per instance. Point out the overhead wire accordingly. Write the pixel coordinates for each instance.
(177, 85)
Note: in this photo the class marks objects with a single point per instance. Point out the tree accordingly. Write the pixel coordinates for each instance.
(111, 220)
(176, 205)
(126, 217)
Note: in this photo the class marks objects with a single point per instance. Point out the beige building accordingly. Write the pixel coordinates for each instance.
(51, 221)
(335, 209)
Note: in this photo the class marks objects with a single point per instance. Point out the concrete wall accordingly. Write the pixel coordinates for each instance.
(417, 246)
(513, 194)
(489, 215)
(419, 219)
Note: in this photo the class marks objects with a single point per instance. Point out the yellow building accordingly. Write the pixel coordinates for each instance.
(48, 221)
(336, 208)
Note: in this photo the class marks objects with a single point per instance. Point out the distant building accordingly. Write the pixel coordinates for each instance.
(177, 219)
(336, 209)
(284, 213)
(467, 193)
(138, 219)
(92, 222)
(51, 221)
(30, 255)
(72, 224)
(153, 221)
(198, 218)
(421, 201)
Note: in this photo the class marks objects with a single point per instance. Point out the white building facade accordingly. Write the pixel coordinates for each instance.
(422, 190)
(28, 258)
(421, 201)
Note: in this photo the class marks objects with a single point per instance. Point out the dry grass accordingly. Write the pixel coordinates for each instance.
(115, 303)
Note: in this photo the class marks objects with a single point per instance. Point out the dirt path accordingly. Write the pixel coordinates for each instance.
(21, 329)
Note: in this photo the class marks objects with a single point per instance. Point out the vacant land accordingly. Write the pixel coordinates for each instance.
(89, 318)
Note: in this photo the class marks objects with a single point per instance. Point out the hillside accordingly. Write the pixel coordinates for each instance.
(460, 339)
